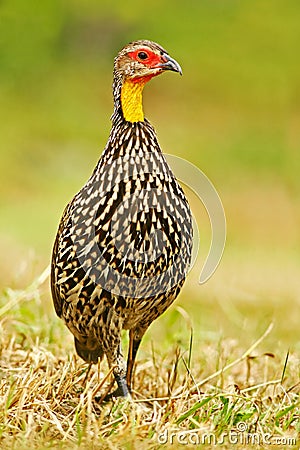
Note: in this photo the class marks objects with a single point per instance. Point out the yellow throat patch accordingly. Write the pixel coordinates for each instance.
(131, 100)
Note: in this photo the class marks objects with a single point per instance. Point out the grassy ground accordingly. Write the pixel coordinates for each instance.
(235, 114)
(190, 387)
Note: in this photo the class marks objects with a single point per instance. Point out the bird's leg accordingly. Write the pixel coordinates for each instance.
(115, 359)
(134, 343)
(122, 389)
(87, 373)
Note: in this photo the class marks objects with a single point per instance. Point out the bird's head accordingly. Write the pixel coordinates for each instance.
(136, 64)
(144, 59)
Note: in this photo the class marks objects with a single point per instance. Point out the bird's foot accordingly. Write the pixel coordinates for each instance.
(121, 391)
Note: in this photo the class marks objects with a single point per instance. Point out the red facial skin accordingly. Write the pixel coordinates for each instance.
(152, 61)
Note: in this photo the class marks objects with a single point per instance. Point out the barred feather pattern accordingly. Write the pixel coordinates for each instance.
(124, 244)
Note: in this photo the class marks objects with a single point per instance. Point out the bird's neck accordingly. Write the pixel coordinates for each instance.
(132, 100)
(129, 99)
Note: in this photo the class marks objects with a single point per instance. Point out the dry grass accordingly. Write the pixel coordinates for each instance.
(49, 400)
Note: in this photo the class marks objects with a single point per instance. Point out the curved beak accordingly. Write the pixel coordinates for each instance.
(169, 64)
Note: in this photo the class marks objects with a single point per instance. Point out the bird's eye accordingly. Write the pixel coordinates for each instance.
(142, 55)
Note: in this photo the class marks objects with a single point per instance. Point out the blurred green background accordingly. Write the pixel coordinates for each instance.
(235, 114)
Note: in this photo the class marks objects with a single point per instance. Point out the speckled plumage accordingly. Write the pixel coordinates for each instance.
(124, 242)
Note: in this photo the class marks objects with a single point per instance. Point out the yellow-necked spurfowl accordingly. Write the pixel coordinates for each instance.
(123, 247)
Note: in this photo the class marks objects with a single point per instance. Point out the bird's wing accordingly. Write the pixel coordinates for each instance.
(57, 299)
